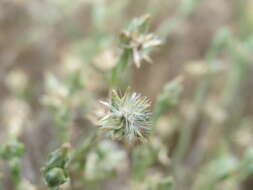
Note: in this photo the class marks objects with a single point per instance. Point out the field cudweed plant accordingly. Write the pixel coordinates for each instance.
(183, 123)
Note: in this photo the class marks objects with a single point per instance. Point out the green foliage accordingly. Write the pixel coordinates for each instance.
(12, 153)
(12, 149)
(168, 98)
(142, 159)
(103, 161)
(163, 184)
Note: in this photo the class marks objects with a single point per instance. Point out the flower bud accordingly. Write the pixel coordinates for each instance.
(55, 177)
(55, 172)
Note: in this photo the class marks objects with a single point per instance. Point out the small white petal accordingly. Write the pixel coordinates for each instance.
(137, 58)
(152, 43)
(105, 103)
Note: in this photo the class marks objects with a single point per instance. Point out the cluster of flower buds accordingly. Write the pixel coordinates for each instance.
(55, 170)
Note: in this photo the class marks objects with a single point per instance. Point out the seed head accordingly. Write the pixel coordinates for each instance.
(127, 116)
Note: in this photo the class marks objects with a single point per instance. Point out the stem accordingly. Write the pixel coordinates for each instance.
(187, 131)
(15, 167)
(117, 74)
(54, 188)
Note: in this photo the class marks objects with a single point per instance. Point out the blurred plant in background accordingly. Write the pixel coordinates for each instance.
(58, 59)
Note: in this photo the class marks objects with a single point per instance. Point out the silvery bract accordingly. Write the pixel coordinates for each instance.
(128, 116)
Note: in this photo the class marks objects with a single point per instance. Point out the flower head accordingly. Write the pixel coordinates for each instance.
(128, 115)
(138, 41)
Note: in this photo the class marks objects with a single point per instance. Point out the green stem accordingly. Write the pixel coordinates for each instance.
(117, 74)
(54, 188)
(187, 131)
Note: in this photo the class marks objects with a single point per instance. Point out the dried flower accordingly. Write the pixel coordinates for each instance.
(138, 41)
(128, 115)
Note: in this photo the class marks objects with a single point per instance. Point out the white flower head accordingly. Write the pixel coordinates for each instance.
(128, 116)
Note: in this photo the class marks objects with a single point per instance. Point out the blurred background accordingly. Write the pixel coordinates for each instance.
(202, 140)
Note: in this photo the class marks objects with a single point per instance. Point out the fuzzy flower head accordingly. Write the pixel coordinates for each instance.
(138, 41)
(128, 116)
